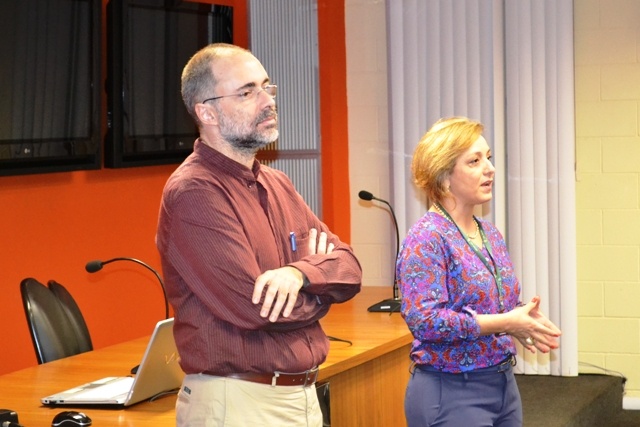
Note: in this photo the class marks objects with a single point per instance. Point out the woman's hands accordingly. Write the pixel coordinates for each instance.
(532, 328)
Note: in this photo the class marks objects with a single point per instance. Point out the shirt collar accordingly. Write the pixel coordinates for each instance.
(225, 164)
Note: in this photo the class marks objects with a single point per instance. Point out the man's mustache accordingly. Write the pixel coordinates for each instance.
(271, 113)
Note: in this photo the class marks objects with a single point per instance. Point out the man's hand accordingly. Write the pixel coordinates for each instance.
(318, 244)
(284, 283)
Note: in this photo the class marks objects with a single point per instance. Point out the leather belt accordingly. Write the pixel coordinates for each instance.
(305, 379)
(503, 366)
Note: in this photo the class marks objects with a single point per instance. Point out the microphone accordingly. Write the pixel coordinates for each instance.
(96, 265)
(393, 304)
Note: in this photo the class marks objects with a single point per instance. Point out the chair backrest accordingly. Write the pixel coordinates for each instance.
(52, 332)
(75, 315)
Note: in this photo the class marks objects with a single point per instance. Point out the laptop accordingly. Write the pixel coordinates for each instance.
(159, 372)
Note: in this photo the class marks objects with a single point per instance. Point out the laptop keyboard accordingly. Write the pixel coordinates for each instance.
(113, 388)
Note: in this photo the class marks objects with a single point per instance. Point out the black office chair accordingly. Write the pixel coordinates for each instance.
(75, 315)
(52, 331)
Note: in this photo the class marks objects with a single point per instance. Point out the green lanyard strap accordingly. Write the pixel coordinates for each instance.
(495, 272)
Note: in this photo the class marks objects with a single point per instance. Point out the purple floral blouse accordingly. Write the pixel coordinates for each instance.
(443, 285)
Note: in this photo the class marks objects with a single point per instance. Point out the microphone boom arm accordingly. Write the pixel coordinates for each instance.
(93, 266)
(388, 305)
(395, 222)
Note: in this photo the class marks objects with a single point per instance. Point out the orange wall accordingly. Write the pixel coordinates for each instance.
(52, 224)
(333, 112)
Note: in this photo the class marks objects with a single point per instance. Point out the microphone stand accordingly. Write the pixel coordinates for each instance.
(389, 305)
(94, 266)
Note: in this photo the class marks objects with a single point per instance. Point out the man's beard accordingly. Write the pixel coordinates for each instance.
(246, 137)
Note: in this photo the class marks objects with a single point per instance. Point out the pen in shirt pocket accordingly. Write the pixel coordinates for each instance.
(292, 239)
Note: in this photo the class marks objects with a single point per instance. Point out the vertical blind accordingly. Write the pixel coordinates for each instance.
(284, 37)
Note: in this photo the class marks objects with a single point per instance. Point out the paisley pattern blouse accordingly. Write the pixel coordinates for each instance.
(444, 284)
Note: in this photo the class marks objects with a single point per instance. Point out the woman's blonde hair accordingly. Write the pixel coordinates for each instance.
(438, 150)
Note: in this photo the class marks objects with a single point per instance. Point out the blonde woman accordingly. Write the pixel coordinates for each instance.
(460, 295)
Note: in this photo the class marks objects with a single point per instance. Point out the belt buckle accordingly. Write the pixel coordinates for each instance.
(274, 379)
(510, 362)
(311, 376)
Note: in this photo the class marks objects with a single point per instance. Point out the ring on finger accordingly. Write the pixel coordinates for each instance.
(530, 341)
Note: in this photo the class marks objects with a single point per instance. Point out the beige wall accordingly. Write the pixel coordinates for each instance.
(607, 63)
(607, 41)
(371, 225)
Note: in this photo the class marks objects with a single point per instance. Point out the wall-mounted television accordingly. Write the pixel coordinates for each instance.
(49, 86)
(149, 42)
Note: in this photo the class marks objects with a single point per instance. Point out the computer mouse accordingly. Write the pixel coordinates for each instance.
(70, 419)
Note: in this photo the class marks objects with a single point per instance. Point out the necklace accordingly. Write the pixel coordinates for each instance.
(474, 235)
(475, 221)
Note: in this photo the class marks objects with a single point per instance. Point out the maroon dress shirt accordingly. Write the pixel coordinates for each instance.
(221, 225)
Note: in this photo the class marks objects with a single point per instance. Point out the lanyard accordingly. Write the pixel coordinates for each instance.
(495, 272)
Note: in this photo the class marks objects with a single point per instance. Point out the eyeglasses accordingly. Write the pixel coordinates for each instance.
(250, 93)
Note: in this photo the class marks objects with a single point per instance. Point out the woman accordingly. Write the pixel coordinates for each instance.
(460, 295)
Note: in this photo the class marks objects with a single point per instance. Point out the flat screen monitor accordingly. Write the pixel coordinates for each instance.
(149, 42)
(49, 86)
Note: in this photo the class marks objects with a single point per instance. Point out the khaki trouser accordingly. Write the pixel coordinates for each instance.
(211, 401)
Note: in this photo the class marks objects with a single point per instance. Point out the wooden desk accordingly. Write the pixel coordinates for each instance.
(367, 379)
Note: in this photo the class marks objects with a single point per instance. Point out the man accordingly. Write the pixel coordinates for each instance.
(249, 269)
